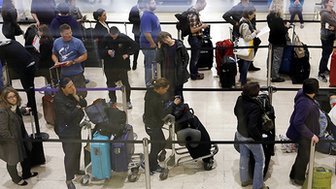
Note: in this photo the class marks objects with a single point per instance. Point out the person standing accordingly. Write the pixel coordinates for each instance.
(248, 112)
(277, 38)
(195, 38)
(43, 11)
(304, 127)
(10, 27)
(155, 111)
(295, 8)
(328, 26)
(173, 58)
(101, 28)
(134, 18)
(117, 49)
(69, 113)
(149, 30)
(233, 16)
(68, 53)
(12, 128)
(248, 33)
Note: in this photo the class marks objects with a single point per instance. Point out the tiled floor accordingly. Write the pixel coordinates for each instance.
(215, 110)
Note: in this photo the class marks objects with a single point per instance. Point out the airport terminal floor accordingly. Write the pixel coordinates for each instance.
(214, 109)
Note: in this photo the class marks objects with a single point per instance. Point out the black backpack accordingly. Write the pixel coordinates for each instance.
(183, 24)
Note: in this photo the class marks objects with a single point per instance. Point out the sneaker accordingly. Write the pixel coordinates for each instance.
(129, 105)
(322, 78)
(278, 79)
(301, 26)
(22, 182)
(70, 184)
(199, 76)
(134, 67)
(246, 183)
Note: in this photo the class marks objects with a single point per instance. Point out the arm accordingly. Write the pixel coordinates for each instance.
(228, 16)
(150, 39)
(299, 120)
(253, 122)
(55, 59)
(246, 32)
(36, 19)
(4, 131)
(184, 56)
(132, 45)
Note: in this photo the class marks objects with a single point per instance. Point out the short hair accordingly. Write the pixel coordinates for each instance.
(251, 89)
(114, 30)
(249, 10)
(161, 82)
(64, 27)
(5, 92)
(64, 81)
(310, 86)
(163, 35)
(98, 13)
(63, 8)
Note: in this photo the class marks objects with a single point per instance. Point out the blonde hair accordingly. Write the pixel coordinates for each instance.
(277, 7)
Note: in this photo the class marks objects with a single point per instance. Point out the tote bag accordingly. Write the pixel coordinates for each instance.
(243, 51)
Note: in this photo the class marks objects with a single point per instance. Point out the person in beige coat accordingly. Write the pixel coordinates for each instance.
(248, 33)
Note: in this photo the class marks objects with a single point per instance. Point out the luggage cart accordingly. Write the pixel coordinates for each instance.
(182, 151)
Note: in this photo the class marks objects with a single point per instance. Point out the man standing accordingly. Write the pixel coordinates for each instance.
(68, 53)
(304, 127)
(195, 38)
(149, 29)
(69, 113)
(233, 16)
(43, 11)
(117, 49)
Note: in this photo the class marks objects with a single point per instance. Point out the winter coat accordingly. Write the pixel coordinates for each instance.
(174, 70)
(304, 121)
(121, 45)
(327, 18)
(12, 130)
(134, 18)
(10, 27)
(278, 30)
(248, 112)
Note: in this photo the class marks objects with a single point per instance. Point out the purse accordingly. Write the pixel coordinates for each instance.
(267, 123)
(97, 111)
(242, 43)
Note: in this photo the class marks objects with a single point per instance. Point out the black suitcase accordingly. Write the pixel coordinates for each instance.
(206, 55)
(228, 72)
(37, 153)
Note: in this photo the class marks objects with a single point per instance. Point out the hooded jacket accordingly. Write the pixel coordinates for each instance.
(304, 121)
(68, 19)
(327, 18)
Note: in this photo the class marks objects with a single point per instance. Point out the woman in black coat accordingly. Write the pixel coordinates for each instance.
(101, 28)
(14, 150)
(10, 27)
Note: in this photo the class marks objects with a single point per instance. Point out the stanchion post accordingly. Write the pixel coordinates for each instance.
(146, 160)
(124, 101)
(311, 165)
(269, 65)
(125, 25)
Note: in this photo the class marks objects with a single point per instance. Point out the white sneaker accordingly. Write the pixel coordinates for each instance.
(129, 105)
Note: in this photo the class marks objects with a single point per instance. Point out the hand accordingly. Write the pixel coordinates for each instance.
(153, 45)
(159, 44)
(59, 64)
(205, 26)
(38, 24)
(177, 101)
(125, 56)
(68, 63)
(315, 139)
(111, 53)
(257, 31)
(332, 28)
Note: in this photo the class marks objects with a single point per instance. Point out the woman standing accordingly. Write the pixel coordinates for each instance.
(14, 149)
(295, 8)
(248, 112)
(101, 28)
(10, 27)
(173, 58)
(248, 33)
(155, 111)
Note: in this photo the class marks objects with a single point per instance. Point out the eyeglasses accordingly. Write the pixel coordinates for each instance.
(11, 97)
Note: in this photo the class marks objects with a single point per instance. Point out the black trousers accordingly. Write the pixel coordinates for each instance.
(114, 75)
(25, 164)
(136, 54)
(158, 143)
(301, 161)
(72, 151)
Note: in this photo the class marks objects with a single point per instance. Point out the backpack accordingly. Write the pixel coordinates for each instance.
(183, 23)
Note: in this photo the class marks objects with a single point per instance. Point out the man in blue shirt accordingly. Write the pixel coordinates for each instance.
(149, 28)
(68, 53)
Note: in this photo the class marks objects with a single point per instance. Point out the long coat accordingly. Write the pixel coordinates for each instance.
(12, 150)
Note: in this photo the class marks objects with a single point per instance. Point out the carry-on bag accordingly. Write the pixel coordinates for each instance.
(332, 74)
(205, 59)
(223, 48)
(37, 153)
(300, 66)
(121, 153)
(228, 72)
(48, 99)
(100, 157)
(318, 177)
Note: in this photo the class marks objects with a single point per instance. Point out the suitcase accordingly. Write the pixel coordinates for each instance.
(37, 153)
(228, 72)
(332, 74)
(223, 48)
(287, 58)
(100, 158)
(48, 100)
(318, 177)
(205, 59)
(121, 153)
(300, 67)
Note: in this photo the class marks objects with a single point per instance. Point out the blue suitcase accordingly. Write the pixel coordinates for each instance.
(100, 158)
(121, 153)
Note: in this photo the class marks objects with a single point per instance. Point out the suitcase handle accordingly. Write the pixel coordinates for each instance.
(31, 121)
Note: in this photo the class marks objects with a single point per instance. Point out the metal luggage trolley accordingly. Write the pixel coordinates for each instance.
(182, 151)
(133, 164)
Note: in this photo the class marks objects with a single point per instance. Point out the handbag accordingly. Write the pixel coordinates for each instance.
(243, 51)
(97, 111)
(267, 123)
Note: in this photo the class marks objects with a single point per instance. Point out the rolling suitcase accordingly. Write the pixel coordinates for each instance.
(37, 153)
(100, 158)
(332, 74)
(121, 153)
(223, 48)
(300, 67)
(205, 59)
(48, 99)
(228, 72)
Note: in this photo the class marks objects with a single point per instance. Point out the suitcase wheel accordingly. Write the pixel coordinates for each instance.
(164, 174)
(162, 156)
(85, 180)
(132, 177)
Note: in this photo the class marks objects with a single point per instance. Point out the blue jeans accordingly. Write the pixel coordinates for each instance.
(195, 45)
(258, 153)
(150, 55)
(327, 48)
(243, 69)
